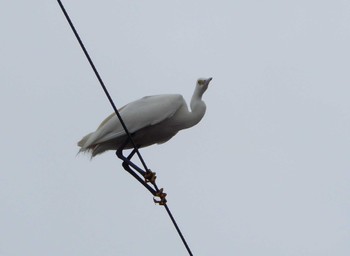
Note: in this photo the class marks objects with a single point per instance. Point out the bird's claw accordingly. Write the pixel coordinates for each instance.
(150, 177)
(161, 196)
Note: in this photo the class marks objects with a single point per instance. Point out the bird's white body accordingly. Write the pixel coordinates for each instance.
(150, 120)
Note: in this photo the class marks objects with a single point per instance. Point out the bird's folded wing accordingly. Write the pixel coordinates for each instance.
(136, 115)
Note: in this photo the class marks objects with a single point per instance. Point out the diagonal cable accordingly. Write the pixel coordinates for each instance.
(120, 119)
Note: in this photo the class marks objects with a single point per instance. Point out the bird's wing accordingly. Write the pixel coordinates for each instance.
(136, 115)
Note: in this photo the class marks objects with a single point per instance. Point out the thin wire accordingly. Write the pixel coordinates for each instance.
(120, 118)
(178, 229)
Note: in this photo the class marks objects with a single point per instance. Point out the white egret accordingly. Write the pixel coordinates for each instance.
(150, 120)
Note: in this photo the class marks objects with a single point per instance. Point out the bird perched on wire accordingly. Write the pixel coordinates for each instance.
(150, 120)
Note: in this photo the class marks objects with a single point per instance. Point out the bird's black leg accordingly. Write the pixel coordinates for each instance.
(127, 159)
(139, 179)
(148, 175)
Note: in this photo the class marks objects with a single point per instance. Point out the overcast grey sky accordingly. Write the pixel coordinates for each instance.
(266, 172)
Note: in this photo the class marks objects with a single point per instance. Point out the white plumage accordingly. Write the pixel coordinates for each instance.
(150, 120)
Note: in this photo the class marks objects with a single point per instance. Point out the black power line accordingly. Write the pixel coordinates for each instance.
(126, 163)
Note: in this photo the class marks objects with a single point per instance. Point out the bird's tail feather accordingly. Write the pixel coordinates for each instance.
(82, 142)
(83, 145)
(93, 149)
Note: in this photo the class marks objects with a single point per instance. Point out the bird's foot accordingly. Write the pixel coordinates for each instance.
(161, 196)
(150, 177)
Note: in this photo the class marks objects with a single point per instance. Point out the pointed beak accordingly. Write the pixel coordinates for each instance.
(209, 79)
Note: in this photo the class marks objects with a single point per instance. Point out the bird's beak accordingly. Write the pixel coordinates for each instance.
(209, 79)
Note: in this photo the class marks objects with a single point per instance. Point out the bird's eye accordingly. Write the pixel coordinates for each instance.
(200, 82)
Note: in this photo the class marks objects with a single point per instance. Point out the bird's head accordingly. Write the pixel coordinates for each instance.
(202, 84)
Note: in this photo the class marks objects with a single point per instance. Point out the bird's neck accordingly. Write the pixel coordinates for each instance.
(198, 108)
